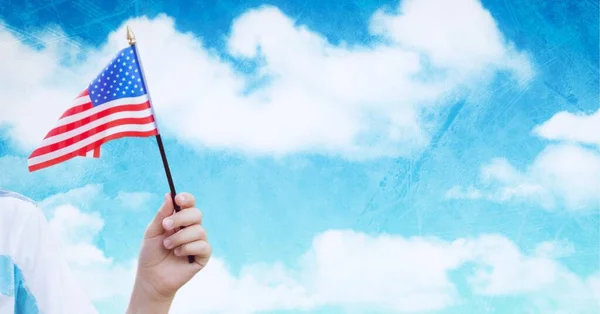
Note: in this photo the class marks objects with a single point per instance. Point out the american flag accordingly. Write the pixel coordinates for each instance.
(114, 105)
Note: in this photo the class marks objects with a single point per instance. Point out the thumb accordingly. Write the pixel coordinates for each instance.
(155, 228)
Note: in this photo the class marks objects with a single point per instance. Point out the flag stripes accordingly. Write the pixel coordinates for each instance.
(83, 128)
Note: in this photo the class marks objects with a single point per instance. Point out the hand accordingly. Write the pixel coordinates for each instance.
(163, 266)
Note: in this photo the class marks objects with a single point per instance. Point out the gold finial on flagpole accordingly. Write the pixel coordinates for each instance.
(130, 36)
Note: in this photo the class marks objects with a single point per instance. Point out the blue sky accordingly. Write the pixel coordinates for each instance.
(372, 156)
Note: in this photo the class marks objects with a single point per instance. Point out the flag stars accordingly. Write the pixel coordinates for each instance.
(120, 78)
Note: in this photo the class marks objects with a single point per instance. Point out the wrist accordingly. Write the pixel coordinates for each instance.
(144, 299)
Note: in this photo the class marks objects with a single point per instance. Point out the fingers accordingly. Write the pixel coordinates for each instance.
(184, 236)
(185, 200)
(199, 248)
(191, 240)
(155, 227)
(185, 217)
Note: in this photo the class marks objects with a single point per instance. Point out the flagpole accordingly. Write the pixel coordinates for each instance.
(163, 155)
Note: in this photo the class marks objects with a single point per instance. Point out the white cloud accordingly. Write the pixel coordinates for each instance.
(77, 230)
(566, 126)
(74, 217)
(101, 277)
(359, 102)
(343, 268)
(353, 270)
(503, 270)
(563, 175)
(459, 36)
(78, 197)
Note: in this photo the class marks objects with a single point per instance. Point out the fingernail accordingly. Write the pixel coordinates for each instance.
(167, 243)
(181, 198)
(178, 251)
(168, 223)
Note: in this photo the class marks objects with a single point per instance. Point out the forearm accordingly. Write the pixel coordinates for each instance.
(143, 301)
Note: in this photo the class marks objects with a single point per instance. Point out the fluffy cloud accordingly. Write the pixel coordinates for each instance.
(306, 95)
(459, 36)
(564, 174)
(343, 268)
(102, 278)
(352, 270)
(566, 126)
(503, 270)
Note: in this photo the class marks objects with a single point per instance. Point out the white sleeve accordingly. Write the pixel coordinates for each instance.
(46, 284)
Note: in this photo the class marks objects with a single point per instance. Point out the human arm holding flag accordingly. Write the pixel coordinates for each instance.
(34, 277)
(162, 265)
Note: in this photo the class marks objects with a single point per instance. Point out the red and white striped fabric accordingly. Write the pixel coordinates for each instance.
(83, 128)
(114, 105)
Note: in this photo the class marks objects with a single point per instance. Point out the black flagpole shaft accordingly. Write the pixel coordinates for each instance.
(163, 155)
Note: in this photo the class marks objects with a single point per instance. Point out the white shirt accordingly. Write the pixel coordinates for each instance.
(34, 278)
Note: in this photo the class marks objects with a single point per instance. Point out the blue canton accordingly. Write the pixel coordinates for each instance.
(121, 78)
